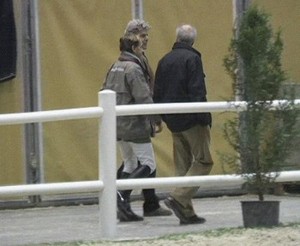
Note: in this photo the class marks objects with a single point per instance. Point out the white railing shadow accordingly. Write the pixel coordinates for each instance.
(107, 184)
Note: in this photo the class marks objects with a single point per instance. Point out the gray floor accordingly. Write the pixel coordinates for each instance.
(72, 223)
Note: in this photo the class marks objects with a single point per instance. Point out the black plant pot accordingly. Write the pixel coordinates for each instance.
(260, 213)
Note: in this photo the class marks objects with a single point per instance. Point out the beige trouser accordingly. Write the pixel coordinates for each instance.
(192, 158)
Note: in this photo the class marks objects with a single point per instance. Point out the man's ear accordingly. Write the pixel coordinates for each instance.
(133, 48)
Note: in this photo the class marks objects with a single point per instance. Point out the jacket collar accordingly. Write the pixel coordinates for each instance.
(127, 56)
(181, 45)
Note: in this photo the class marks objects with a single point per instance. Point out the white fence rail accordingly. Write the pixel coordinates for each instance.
(107, 183)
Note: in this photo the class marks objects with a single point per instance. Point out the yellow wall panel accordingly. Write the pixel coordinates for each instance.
(79, 41)
(11, 137)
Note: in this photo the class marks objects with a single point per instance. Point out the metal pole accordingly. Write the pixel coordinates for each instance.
(137, 9)
(108, 164)
(33, 139)
(239, 8)
(37, 60)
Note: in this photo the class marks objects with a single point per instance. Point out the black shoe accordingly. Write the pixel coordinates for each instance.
(177, 208)
(193, 220)
(125, 212)
(128, 216)
(158, 212)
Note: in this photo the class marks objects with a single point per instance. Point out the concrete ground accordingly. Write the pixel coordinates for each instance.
(34, 226)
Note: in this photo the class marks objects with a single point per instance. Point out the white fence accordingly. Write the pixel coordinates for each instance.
(107, 184)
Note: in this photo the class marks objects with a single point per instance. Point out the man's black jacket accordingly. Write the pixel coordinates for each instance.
(180, 78)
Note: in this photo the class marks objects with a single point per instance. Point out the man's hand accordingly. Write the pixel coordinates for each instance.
(158, 128)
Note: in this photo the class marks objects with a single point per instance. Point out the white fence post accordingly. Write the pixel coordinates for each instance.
(107, 164)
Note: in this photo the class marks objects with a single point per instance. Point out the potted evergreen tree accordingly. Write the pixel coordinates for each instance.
(261, 135)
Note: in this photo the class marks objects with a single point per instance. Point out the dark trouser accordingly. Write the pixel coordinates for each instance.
(151, 201)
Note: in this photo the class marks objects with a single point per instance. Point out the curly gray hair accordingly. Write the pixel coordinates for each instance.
(136, 26)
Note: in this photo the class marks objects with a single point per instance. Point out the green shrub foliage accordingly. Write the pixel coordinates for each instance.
(261, 135)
